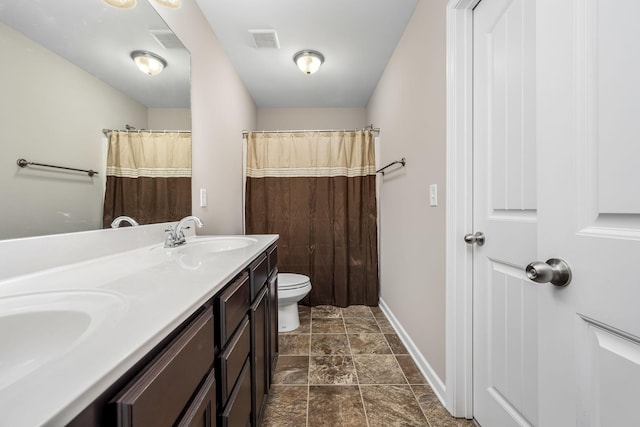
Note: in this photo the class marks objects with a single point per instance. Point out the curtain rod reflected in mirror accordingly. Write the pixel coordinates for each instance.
(108, 131)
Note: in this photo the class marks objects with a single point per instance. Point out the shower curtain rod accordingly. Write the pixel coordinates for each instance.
(108, 131)
(370, 127)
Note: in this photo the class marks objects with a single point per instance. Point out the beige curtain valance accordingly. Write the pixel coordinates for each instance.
(316, 154)
(149, 154)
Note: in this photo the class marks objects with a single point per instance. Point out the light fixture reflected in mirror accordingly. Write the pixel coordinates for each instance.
(173, 4)
(308, 61)
(121, 4)
(148, 62)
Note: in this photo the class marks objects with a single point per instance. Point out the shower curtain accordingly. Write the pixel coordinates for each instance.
(317, 190)
(148, 176)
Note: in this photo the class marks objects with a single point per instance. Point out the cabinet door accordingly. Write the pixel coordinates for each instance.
(259, 354)
(202, 411)
(273, 325)
(160, 393)
(237, 413)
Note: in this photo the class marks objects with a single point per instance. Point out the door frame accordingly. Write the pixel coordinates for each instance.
(459, 208)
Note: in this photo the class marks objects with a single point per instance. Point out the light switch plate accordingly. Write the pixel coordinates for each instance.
(433, 195)
(203, 197)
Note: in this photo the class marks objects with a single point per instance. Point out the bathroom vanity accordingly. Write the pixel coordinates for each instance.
(182, 336)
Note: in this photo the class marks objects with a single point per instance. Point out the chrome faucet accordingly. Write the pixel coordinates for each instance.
(176, 235)
(116, 222)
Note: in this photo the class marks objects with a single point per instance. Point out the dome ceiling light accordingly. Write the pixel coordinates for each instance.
(148, 62)
(308, 61)
(121, 4)
(173, 4)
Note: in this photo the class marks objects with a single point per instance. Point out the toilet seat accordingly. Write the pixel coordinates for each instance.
(290, 281)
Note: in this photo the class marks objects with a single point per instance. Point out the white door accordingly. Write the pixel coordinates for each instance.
(505, 352)
(588, 113)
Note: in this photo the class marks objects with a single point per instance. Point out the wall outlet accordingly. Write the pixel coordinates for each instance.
(203, 197)
(433, 195)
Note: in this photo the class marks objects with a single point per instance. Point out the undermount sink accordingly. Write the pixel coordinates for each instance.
(196, 250)
(202, 246)
(205, 245)
(37, 328)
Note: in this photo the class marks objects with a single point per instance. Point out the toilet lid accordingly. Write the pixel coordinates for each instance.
(292, 280)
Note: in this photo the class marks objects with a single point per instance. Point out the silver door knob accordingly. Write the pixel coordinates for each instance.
(555, 270)
(477, 238)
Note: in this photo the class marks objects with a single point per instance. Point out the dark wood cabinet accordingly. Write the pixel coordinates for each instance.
(237, 412)
(273, 324)
(215, 369)
(162, 391)
(258, 272)
(202, 411)
(272, 258)
(259, 354)
(232, 359)
(232, 305)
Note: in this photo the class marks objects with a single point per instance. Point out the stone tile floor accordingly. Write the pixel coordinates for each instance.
(347, 367)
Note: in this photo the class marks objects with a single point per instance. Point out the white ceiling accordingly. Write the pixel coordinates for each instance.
(356, 37)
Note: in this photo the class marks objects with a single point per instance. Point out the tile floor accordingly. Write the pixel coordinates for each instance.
(347, 367)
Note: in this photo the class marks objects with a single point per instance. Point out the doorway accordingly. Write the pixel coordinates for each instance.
(586, 351)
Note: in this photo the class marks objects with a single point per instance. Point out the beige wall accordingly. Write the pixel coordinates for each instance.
(169, 118)
(44, 118)
(220, 109)
(311, 118)
(409, 107)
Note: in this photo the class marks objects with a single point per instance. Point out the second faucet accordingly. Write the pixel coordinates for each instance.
(176, 236)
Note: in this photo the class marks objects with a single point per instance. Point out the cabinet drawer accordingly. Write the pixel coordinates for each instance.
(232, 359)
(259, 271)
(238, 410)
(272, 255)
(160, 393)
(202, 411)
(233, 304)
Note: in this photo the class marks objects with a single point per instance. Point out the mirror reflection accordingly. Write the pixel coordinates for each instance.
(66, 77)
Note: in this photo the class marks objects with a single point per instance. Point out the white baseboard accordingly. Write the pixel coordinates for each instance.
(433, 379)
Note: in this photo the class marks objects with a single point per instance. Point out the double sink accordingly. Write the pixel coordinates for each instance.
(39, 328)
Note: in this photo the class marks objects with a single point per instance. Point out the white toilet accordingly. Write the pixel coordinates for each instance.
(291, 289)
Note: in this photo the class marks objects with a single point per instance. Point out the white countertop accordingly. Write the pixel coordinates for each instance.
(140, 295)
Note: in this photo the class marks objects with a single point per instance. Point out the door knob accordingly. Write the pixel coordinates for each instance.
(555, 270)
(477, 238)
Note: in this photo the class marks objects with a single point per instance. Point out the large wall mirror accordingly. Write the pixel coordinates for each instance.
(67, 74)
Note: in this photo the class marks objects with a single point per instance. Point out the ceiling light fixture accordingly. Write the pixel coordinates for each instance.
(173, 4)
(121, 4)
(148, 62)
(308, 61)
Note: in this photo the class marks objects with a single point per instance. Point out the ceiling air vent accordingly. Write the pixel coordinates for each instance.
(167, 39)
(265, 39)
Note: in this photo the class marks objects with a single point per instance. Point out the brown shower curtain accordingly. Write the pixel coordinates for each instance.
(317, 190)
(148, 176)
